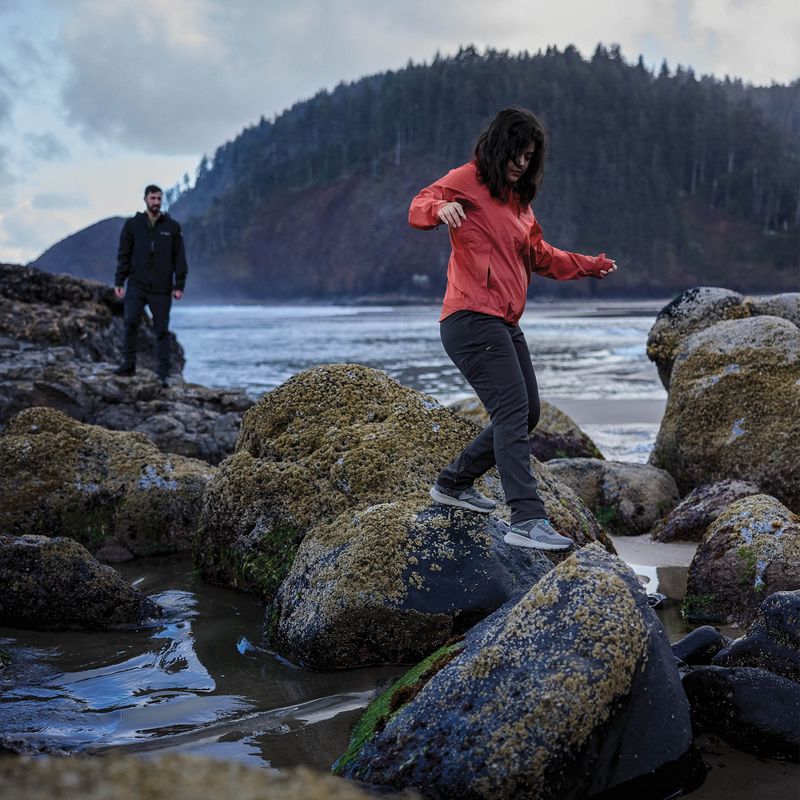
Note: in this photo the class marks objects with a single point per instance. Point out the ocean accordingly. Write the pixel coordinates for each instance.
(589, 358)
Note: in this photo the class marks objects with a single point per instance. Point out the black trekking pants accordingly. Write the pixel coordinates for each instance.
(493, 356)
(160, 303)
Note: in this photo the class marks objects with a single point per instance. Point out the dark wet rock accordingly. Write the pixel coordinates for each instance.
(690, 519)
(168, 777)
(752, 709)
(395, 581)
(105, 489)
(331, 439)
(53, 583)
(700, 646)
(626, 498)
(556, 435)
(61, 311)
(749, 552)
(733, 409)
(60, 343)
(702, 307)
(569, 692)
(773, 640)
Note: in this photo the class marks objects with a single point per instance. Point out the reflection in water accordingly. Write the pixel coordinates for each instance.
(193, 682)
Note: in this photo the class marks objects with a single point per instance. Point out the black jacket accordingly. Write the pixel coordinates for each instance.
(150, 254)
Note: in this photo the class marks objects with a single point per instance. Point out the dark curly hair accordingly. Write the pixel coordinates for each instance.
(510, 132)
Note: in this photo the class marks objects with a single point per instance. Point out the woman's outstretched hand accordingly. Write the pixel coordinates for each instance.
(612, 268)
(452, 214)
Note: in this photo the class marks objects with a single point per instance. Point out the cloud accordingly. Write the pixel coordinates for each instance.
(46, 146)
(6, 176)
(59, 200)
(193, 73)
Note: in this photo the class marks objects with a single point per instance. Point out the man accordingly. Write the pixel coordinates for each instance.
(153, 260)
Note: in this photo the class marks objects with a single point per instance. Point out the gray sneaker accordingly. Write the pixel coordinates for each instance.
(537, 533)
(469, 498)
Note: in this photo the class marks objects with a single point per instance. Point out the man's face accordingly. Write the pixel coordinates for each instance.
(153, 202)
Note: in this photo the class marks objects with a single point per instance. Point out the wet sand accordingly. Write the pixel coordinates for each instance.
(611, 411)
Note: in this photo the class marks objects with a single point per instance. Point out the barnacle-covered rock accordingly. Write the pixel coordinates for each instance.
(628, 499)
(749, 552)
(577, 672)
(114, 492)
(335, 438)
(733, 410)
(55, 584)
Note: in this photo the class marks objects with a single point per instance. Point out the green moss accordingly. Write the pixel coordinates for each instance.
(698, 607)
(749, 558)
(265, 570)
(606, 515)
(5, 658)
(381, 711)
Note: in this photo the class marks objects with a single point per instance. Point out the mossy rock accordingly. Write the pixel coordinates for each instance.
(169, 777)
(750, 551)
(330, 439)
(577, 672)
(556, 435)
(733, 410)
(55, 584)
(114, 492)
(393, 581)
(690, 519)
(703, 306)
(627, 499)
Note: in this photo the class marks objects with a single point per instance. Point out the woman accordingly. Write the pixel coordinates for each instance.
(496, 245)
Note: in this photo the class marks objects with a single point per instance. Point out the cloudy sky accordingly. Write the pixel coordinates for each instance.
(100, 97)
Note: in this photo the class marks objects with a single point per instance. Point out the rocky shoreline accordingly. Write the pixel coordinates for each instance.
(537, 676)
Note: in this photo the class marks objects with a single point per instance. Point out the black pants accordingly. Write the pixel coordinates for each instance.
(136, 299)
(493, 356)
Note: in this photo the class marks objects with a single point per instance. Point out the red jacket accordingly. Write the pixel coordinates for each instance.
(496, 248)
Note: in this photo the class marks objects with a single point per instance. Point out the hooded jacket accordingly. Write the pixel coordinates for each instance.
(497, 248)
(151, 256)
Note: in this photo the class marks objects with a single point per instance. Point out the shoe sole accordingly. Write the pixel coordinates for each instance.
(446, 500)
(518, 540)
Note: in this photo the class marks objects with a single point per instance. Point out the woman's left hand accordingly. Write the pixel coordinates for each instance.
(613, 268)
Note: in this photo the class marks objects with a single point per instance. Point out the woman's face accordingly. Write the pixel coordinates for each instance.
(515, 167)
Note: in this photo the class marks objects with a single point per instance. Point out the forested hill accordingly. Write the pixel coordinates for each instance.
(684, 181)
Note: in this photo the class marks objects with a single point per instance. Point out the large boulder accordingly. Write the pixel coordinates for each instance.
(752, 709)
(773, 640)
(626, 498)
(60, 340)
(703, 306)
(749, 552)
(690, 519)
(168, 777)
(733, 409)
(185, 418)
(393, 582)
(61, 311)
(556, 436)
(56, 584)
(334, 438)
(700, 646)
(569, 692)
(114, 492)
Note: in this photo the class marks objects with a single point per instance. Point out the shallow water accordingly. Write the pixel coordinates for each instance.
(202, 681)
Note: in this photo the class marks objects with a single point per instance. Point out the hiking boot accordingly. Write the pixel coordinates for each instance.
(538, 534)
(125, 371)
(470, 498)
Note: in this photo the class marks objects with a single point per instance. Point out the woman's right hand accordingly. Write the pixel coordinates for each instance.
(452, 214)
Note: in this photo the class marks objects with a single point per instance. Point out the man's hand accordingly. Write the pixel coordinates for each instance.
(452, 214)
(177, 294)
(119, 291)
